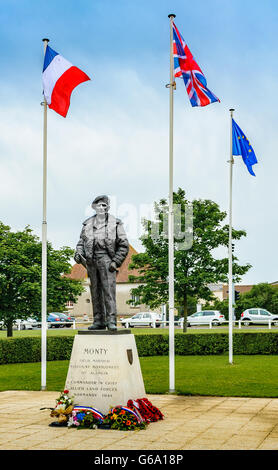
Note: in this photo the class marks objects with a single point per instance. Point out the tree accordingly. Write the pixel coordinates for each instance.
(20, 276)
(195, 267)
(262, 295)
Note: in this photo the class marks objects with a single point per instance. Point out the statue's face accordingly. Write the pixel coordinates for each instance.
(101, 208)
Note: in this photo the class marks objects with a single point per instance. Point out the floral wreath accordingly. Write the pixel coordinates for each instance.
(135, 416)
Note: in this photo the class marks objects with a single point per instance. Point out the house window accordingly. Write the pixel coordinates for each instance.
(69, 304)
(134, 300)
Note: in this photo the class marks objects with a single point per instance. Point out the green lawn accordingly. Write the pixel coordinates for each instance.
(249, 376)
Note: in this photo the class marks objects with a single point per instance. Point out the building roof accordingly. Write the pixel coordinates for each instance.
(80, 273)
(239, 288)
(124, 272)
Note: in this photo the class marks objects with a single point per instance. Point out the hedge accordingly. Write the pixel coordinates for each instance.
(208, 344)
(15, 350)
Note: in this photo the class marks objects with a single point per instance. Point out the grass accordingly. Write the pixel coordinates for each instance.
(249, 376)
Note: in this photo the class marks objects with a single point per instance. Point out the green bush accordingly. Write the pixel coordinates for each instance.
(15, 350)
(208, 344)
(256, 343)
(152, 345)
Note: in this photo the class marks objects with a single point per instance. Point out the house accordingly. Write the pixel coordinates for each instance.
(83, 306)
(221, 291)
(239, 288)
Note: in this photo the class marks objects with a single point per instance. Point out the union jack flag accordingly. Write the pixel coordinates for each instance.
(187, 68)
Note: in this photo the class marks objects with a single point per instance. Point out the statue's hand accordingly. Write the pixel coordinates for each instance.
(113, 267)
(77, 258)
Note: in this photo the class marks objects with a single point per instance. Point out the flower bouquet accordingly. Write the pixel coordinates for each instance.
(146, 409)
(63, 409)
(124, 419)
(85, 417)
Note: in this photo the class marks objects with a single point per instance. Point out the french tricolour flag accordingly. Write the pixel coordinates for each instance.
(59, 78)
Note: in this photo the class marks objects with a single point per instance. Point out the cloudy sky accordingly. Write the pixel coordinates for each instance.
(115, 138)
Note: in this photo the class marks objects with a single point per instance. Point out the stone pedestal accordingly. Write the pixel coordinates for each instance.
(104, 369)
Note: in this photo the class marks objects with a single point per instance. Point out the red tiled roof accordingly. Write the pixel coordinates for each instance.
(79, 272)
(124, 272)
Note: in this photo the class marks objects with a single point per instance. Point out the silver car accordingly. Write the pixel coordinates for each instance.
(27, 324)
(142, 319)
(258, 316)
(206, 317)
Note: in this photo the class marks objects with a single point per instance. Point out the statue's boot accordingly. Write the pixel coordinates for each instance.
(112, 322)
(96, 326)
(98, 323)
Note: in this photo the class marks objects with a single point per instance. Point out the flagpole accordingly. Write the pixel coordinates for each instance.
(171, 220)
(231, 284)
(44, 245)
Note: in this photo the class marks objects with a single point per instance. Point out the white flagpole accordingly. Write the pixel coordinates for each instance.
(171, 221)
(231, 284)
(44, 246)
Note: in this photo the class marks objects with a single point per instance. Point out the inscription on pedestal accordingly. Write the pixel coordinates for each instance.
(100, 373)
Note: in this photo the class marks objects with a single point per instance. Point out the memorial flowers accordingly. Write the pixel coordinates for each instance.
(135, 416)
(63, 408)
(85, 417)
(147, 410)
(124, 419)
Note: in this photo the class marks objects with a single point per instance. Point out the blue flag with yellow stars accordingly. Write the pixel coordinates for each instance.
(242, 146)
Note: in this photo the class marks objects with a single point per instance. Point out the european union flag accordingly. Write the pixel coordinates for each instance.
(242, 146)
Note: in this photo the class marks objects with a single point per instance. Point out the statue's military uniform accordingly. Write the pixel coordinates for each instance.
(99, 246)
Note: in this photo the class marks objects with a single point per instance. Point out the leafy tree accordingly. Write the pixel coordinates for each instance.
(20, 276)
(195, 267)
(262, 295)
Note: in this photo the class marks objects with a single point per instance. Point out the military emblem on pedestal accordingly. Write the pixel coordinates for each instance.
(129, 356)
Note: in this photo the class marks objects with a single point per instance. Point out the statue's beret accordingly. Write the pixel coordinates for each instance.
(101, 198)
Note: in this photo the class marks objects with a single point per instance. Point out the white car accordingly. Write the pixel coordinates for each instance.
(258, 316)
(142, 319)
(206, 317)
(27, 324)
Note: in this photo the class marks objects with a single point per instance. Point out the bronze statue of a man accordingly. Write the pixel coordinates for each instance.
(102, 248)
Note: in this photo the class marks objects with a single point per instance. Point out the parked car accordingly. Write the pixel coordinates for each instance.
(66, 319)
(178, 320)
(205, 317)
(258, 316)
(1, 325)
(27, 324)
(142, 319)
(54, 320)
